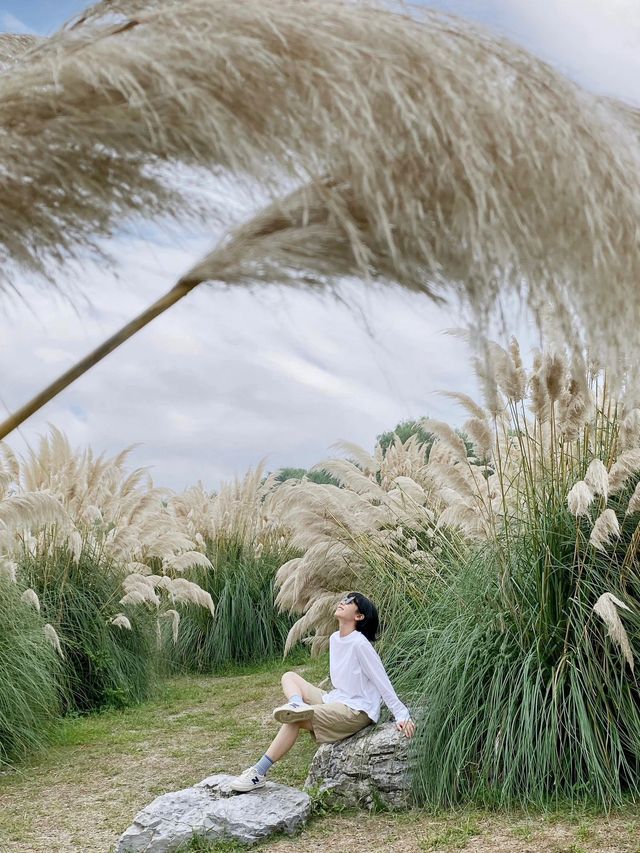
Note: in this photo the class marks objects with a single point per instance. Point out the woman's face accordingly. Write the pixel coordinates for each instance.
(347, 610)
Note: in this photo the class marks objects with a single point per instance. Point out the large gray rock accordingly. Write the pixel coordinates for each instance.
(212, 810)
(369, 769)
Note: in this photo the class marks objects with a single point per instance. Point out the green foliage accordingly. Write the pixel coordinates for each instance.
(199, 844)
(247, 626)
(525, 700)
(30, 678)
(404, 430)
(318, 476)
(105, 666)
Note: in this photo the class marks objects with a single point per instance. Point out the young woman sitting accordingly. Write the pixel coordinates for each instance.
(360, 683)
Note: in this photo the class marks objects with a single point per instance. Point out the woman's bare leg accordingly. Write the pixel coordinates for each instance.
(293, 683)
(286, 738)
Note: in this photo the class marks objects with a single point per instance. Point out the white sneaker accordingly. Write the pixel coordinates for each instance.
(292, 713)
(248, 780)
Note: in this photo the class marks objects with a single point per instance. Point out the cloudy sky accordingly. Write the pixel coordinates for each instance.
(228, 377)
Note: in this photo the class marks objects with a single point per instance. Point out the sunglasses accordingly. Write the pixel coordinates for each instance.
(348, 599)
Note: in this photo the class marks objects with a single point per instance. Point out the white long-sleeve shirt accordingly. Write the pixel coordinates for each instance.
(359, 677)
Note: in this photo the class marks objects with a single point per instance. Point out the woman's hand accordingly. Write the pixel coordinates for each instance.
(406, 726)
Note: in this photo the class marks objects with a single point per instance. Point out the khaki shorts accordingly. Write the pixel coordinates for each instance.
(332, 721)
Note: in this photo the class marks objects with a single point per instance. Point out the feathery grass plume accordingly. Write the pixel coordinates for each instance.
(30, 510)
(186, 592)
(447, 435)
(139, 590)
(605, 528)
(579, 499)
(634, 501)
(574, 409)
(607, 607)
(260, 45)
(120, 621)
(187, 560)
(597, 478)
(8, 569)
(627, 465)
(539, 394)
(93, 95)
(467, 402)
(485, 373)
(481, 434)
(174, 616)
(554, 368)
(629, 432)
(507, 368)
(365, 461)
(52, 636)
(442, 453)
(13, 46)
(29, 596)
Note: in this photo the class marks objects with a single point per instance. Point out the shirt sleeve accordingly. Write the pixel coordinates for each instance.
(374, 669)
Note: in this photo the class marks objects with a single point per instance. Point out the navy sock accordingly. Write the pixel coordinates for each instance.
(296, 699)
(264, 764)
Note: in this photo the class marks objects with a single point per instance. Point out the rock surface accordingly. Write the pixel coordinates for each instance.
(369, 769)
(212, 810)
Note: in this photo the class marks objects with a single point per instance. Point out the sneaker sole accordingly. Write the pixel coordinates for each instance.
(285, 716)
(246, 790)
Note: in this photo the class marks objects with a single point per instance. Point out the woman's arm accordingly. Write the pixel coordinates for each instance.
(374, 669)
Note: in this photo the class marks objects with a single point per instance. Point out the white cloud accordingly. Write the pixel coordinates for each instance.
(593, 41)
(227, 376)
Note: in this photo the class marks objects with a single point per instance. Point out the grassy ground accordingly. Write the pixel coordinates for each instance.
(81, 794)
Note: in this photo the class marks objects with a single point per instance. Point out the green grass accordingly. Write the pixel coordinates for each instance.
(81, 794)
(454, 837)
(525, 700)
(247, 626)
(30, 678)
(105, 666)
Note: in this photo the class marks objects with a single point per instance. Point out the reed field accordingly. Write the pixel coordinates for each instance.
(503, 561)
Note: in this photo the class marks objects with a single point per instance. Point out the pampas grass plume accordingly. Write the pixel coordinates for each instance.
(607, 609)
(121, 621)
(625, 466)
(554, 369)
(634, 501)
(8, 569)
(29, 596)
(52, 636)
(175, 622)
(597, 478)
(447, 435)
(579, 499)
(605, 528)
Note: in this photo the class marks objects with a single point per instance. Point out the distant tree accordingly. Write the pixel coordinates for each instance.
(298, 473)
(404, 430)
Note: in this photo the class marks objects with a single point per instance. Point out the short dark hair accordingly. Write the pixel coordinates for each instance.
(370, 624)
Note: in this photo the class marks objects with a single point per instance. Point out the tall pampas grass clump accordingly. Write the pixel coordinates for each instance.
(381, 505)
(31, 678)
(524, 656)
(88, 542)
(242, 534)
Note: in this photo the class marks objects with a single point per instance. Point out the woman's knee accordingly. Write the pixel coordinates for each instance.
(289, 675)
